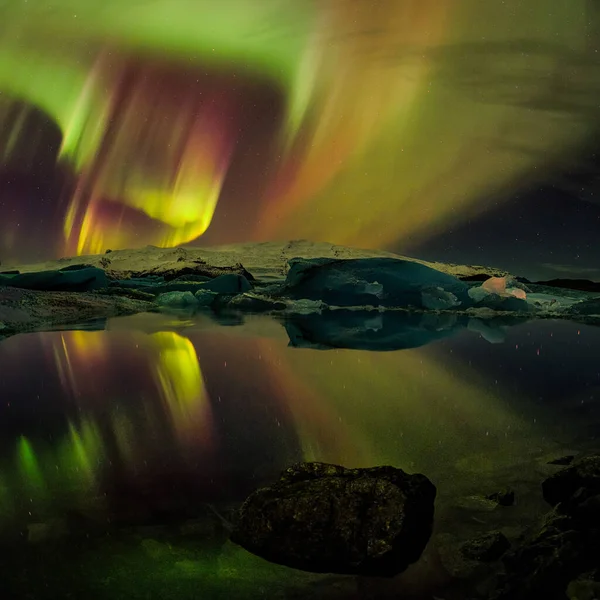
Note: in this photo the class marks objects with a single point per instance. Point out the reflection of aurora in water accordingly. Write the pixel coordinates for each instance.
(402, 118)
(111, 413)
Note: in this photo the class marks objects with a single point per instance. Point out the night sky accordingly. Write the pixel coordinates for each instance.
(460, 132)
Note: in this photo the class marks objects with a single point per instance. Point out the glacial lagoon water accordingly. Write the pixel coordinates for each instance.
(125, 448)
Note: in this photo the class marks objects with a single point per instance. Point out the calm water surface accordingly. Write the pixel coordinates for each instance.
(123, 450)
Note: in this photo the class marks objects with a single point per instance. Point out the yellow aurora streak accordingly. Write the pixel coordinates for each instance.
(402, 117)
(173, 365)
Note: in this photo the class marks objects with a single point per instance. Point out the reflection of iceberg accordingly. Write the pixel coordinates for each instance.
(369, 330)
(389, 330)
(494, 335)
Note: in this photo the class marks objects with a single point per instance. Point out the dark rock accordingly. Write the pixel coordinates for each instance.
(585, 508)
(127, 293)
(79, 278)
(585, 308)
(562, 548)
(13, 272)
(224, 284)
(77, 267)
(543, 567)
(584, 285)
(583, 473)
(198, 267)
(108, 251)
(476, 503)
(227, 284)
(585, 587)
(137, 282)
(563, 460)
(326, 518)
(386, 282)
(254, 303)
(457, 564)
(191, 278)
(503, 498)
(486, 548)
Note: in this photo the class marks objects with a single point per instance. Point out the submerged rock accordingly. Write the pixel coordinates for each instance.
(177, 299)
(486, 548)
(505, 497)
(328, 519)
(386, 282)
(472, 559)
(581, 477)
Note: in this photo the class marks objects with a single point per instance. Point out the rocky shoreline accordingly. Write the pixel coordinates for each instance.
(343, 287)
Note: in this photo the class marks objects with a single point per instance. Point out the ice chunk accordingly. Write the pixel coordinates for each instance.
(489, 332)
(436, 298)
(517, 293)
(494, 294)
(495, 285)
(498, 285)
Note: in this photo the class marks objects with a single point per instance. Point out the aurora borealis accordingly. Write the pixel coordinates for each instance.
(378, 125)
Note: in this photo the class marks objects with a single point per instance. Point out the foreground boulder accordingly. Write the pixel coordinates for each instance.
(560, 558)
(575, 485)
(328, 519)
